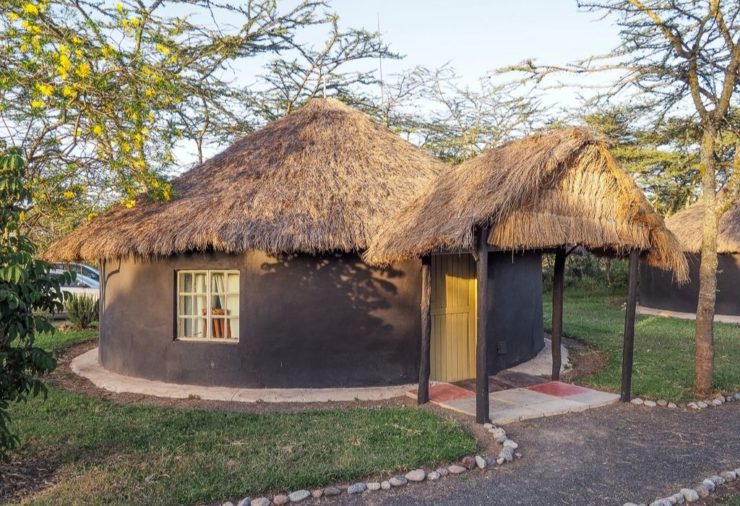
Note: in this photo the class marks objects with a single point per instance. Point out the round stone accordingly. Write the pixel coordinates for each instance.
(374, 485)
(510, 444)
(332, 491)
(672, 405)
(416, 475)
(678, 498)
(398, 481)
(662, 403)
(468, 462)
(637, 401)
(499, 434)
(280, 500)
(709, 484)
(385, 485)
(433, 476)
(490, 461)
(357, 488)
(737, 396)
(488, 426)
(650, 404)
(245, 502)
(729, 475)
(260, 501)
(316, 494)
(717, 402)
(299, 495)
(455, 469)
(702, 404)
(689, 494)
(693, 405)
(717, 480)
(500, 460)
(702, 491)
(480, 462)
(228, 503)
(507, 454)
(443, 471)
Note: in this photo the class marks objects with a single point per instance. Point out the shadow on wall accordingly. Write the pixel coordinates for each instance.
(336, 317)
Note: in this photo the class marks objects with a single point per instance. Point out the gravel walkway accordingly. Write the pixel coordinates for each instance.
(609, 455)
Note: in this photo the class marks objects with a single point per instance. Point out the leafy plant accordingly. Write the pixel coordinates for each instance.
(82, 310)
(27, 288)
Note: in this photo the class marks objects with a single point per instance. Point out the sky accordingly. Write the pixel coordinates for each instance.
(478, 36)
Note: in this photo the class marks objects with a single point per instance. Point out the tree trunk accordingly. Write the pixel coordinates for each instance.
(704, 352)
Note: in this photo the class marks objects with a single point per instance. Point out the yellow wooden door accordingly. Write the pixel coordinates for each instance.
(453, 317)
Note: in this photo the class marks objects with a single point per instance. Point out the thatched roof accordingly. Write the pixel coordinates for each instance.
(321, 179)
(558, 188)
(687, 224)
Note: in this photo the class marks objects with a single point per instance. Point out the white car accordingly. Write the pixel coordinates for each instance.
(81, 285)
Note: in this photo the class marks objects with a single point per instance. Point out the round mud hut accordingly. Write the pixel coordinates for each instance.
(251, 276)
(658, 289)
(546, 193)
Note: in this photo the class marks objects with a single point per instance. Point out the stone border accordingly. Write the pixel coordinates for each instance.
(717, 400)
(649, 311)
(468, 463)
(700, 491)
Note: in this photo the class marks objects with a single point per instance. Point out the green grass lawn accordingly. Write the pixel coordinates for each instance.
(108, 453)
(664, 347)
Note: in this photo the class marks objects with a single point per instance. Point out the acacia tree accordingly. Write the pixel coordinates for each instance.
(99, 93)
(675, 57)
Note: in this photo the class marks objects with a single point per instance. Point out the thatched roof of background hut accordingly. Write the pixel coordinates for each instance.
(687, 225)
(321, 179)
(557, 188)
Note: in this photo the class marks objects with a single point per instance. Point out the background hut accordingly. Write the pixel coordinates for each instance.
(544, 193)
(659, 291)
(251, 275)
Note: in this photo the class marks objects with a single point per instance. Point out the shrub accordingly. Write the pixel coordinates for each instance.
(82, 310)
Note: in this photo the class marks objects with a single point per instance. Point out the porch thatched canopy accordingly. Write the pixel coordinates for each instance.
(687, 225)
(559, 188)
(323, 178)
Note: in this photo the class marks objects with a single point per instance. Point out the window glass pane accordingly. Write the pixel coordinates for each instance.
(218, 302)
(218, 282)
(233, 284)
(232, 305)
(186, 282)
(234, 327)
(199, 305)
(186, 305)
(200, 282)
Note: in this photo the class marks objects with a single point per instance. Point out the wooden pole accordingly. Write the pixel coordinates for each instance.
(629, 328)
(481, 354)
(426, 329)
(557, 311)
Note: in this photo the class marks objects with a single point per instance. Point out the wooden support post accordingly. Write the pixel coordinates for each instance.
(629, 328)
(481, 353)
(557, 311)
(426, 329)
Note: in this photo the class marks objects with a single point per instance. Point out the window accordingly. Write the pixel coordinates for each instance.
(208, 305)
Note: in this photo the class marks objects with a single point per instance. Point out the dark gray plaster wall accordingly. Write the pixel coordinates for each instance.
(658, 290)
(305, 321)
(515, 326)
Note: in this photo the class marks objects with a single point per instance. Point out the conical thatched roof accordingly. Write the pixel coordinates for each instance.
(687, 224)
(557, 188)
(321, 179)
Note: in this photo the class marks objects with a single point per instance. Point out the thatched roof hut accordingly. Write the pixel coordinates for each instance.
(562, 187)
(323, 178)
(687, 225)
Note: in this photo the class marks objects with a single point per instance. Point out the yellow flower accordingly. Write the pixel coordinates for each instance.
(79, 53)
(97, 129)
(106, 51)
(163, 49)
(119, 7)
(62, 48)
(77, 40)
(166, 195)
(22, 216)
(134, 21)
(149, 93)
(90, 216)
(45, 89)
(31, 9)
(129, 203)
(13, 16)
(37, 104)
(68, 91)
(69, 195)
(83, 70)
(126, 147)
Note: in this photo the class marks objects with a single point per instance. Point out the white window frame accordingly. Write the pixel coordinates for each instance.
(208, 295)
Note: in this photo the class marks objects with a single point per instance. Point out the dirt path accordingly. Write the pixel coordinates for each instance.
(608, 455)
